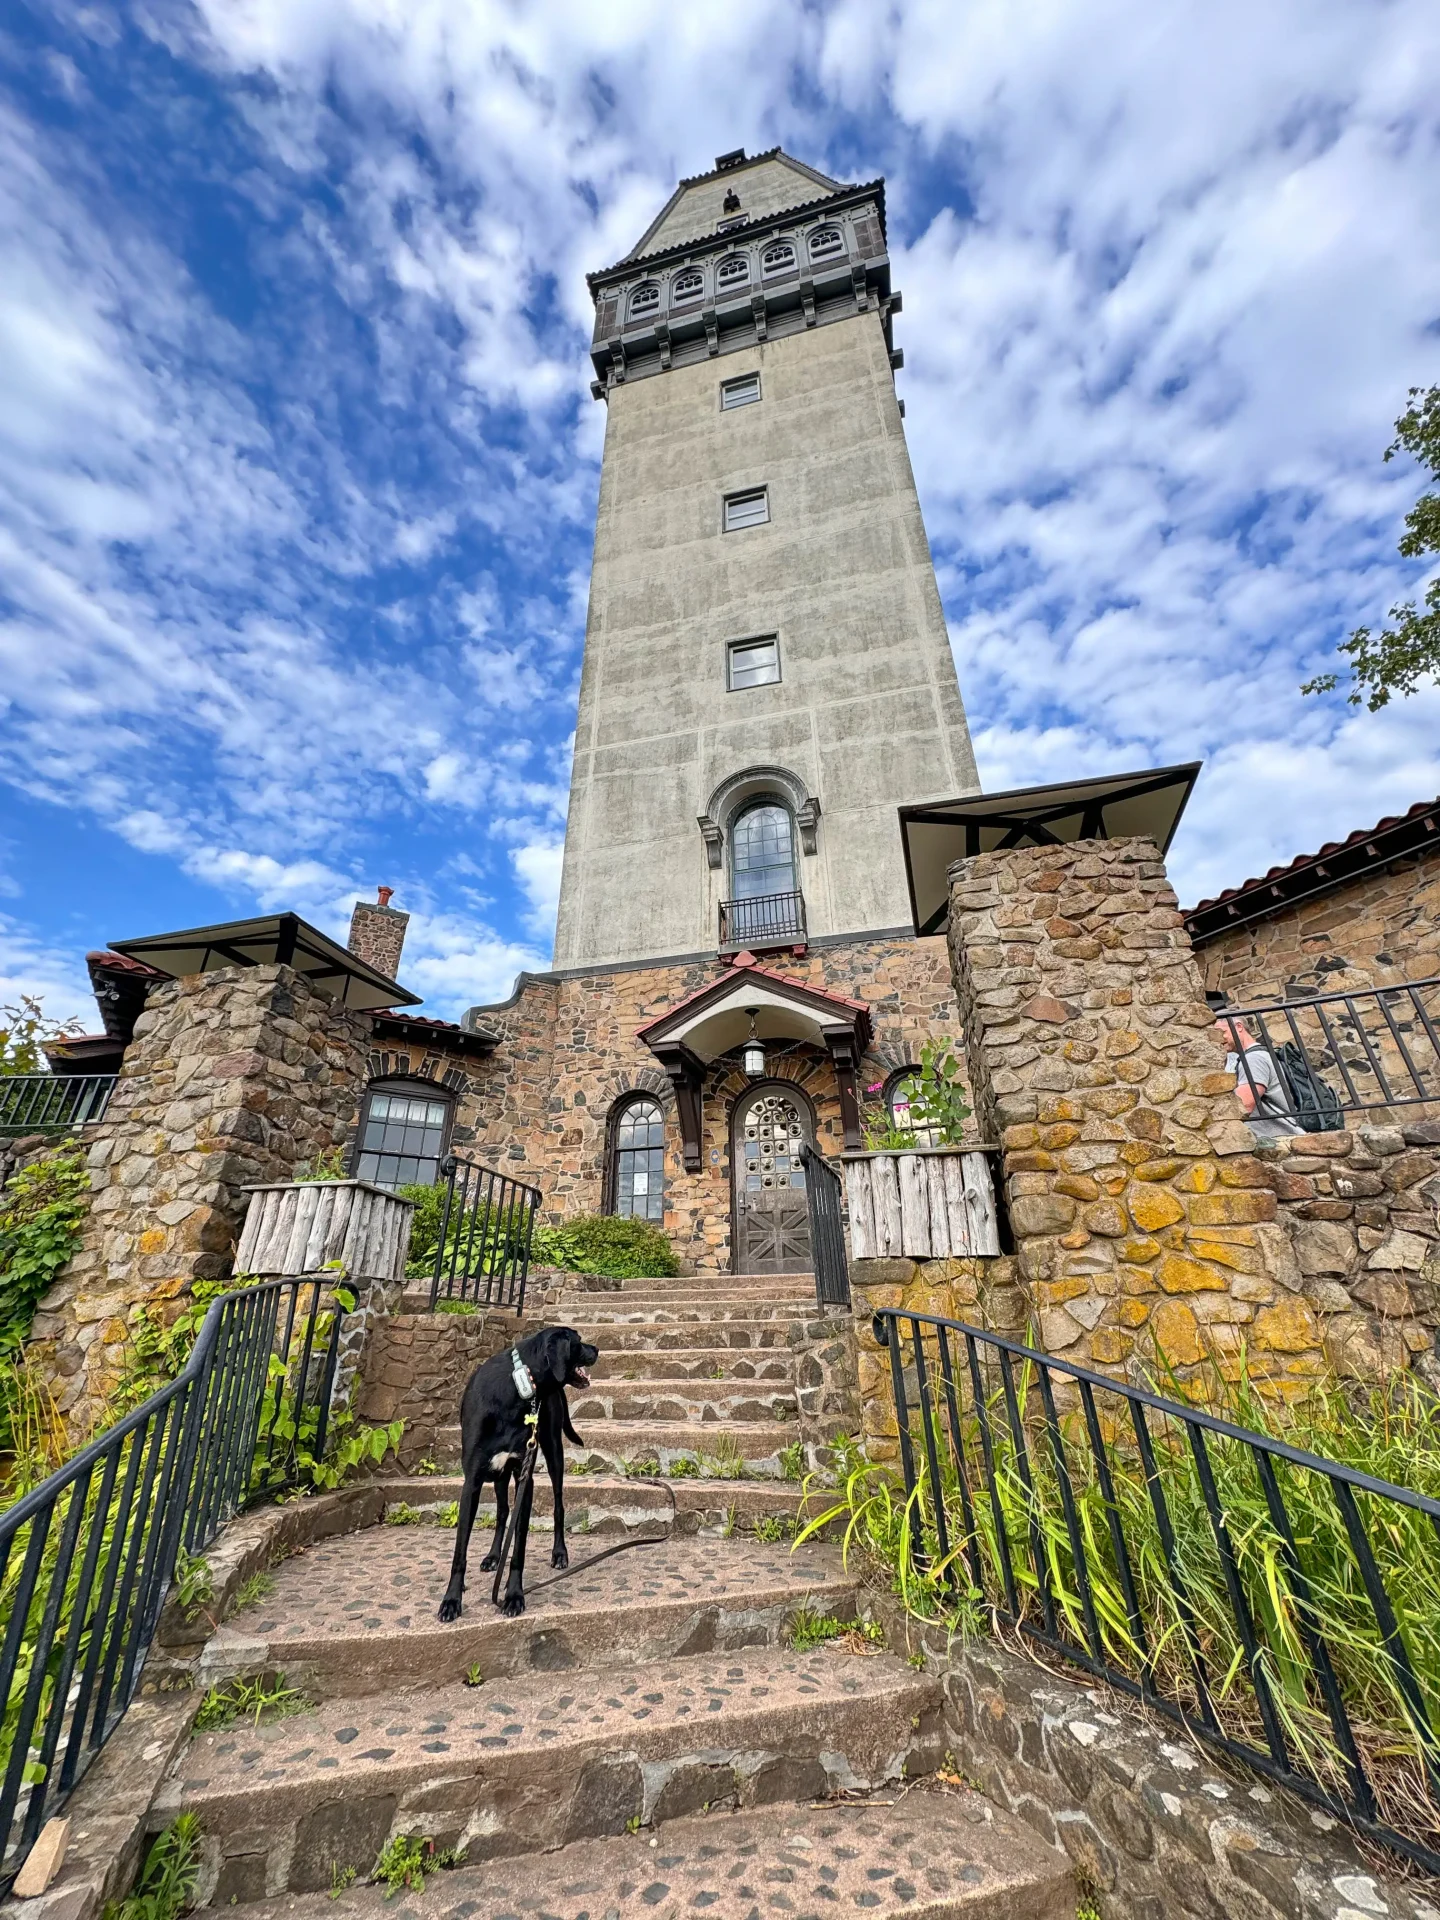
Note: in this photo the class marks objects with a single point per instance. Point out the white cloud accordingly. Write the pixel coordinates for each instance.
(30, 966)
(537, 868)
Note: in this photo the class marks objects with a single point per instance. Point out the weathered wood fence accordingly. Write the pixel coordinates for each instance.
(302, 1227)
(928, 1203)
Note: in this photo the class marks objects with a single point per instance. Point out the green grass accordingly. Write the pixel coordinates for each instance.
(250, 1593)
(1393, 1434)
(770, 1527)
(725, 1462)
(402, 1514)
(463, 1307)
(792, 1460)
(404, 1863)
(809, 1628)
(166, 1886)
(252, 1700)
(683, 1468)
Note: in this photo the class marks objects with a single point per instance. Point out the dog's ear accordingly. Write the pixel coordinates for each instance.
(553, 1356)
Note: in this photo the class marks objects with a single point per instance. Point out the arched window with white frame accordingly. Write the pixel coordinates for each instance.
(732, 272)
(645, 300)
(687, 286)
(636, 1174)
(826, 243)
(778, 259)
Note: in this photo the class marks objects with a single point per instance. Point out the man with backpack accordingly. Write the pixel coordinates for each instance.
(1260, 1083)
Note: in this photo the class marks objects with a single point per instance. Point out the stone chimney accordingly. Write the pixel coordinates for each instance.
(378, 933)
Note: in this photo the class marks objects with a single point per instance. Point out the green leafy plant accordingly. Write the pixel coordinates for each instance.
(24, 1029)
(250, 1593)
(405, 1862)
(643, 1466)
(194, 1586)
(464, 1308)
(771, 1527)
(938, 1108)
(726, 1462)
(622, 1247)
(474, 1677)
(426, 1467)
(166, 1886)
(249, 1700)
(42, 1215)
(402, 1514)
(683, 1468)
(809, 1628)
(328, 1164)
(792, 1460)
(341, 1879)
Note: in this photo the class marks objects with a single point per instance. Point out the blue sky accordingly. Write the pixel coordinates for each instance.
(298, 460)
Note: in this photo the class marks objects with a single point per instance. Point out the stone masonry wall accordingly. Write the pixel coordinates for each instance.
(236, 1076)
(1377, 931)
(1363, 1209)
(538, 1106)
(1143, 1219)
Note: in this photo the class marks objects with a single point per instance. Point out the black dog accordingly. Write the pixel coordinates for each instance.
(494, 1433)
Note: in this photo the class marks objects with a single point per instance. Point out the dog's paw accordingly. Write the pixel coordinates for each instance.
(560, 1557)
(512, 1605)
(450, 1607)
(489, 1563)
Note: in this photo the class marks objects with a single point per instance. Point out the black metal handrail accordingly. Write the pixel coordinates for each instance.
(765, 920)
(1368, 1048)
(1153, 1544)
(53, 1102)
(88, 1556)
(486, 1228)
(825, 1197)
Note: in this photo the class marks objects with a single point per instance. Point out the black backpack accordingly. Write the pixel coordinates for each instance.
(1317, 1106)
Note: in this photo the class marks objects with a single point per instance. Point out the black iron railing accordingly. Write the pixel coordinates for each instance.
(1278, 1605)
(770, 919)
(487, 1224)
(53, 1102)
(825, 1196)
(1348, 1052)
(88, 1556)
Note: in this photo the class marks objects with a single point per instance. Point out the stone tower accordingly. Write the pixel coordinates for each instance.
(767, 672)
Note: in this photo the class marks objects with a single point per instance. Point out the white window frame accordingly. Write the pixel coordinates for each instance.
(742, 391)
(735, 648)
(742, 504)
(697, 292)
(634, 310)
(723, 282)
(782, 266)
(826, 253)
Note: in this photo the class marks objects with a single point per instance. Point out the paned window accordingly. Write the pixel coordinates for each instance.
(778, 259)
(774, 1135)
(762, 851)
(644, 300)
(753, 663)
(827, 242)
(638, 1172)
(733, 272)
(898, 1096)
(687, 286)
(739, 393)
(747, 509)
(402, 1137)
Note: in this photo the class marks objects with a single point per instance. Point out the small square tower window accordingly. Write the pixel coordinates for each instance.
(739, 393)
(753, 663)
(750, 509)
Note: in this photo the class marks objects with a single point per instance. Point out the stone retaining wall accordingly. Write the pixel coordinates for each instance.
(1161, 1830)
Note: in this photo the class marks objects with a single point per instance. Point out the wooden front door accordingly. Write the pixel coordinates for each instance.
(771, 1219)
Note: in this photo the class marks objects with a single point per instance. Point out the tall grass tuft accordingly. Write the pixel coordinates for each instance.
(1020, 1559)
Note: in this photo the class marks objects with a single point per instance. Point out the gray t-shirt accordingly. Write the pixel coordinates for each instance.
(1273, 1117)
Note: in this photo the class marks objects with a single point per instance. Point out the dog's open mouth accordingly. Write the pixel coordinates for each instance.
(580, 1377)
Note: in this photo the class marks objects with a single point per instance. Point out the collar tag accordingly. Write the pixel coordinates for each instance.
(520, 1374)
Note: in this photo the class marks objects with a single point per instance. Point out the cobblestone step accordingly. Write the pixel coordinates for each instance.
(694, 1363)
(649, 1334)
(583, 1311)
(532, 1761)
(754, 1444)
(356, 1615)
(612, 1505)
(711, 1402)
(733, 1284)
(932, 1856)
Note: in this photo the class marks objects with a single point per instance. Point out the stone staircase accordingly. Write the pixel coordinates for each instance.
(646, 1738)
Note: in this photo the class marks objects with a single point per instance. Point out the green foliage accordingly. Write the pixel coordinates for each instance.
(42, 1212)
(473, 1676)
(462, 1307)
(424, 1227)
(792, 1460)
(643, 1466)
(1391, 1434)
(249, 1700)
(620, 1247)
(23, 1032)
(166, 1887)
(809, 1628)
(1399, 657)
(937, 1105)
(405, 1861)
(770, 1527)
(727, 1462)
(341, 1879)
(683, 1468)
(402, 1514)
(329, 1164)
(194, 1586)
(250, 1593)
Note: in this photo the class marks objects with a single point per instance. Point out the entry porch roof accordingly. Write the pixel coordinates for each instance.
(716, 1019)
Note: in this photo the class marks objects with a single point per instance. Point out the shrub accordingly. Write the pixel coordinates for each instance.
(41, 1215)
(623, 1249)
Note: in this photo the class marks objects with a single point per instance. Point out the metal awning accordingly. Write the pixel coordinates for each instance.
(276, 939)
(1110, 807)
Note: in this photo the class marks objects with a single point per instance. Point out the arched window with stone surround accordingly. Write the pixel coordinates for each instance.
(635, 1177)
(645, 299)
(762, 849)
(404, 1133)
(732, 272)
(687, 286)
(899, 1088)
(778, 259)
(826, 244)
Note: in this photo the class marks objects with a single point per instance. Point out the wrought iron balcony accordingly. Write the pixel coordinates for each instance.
(767, 920)
(53, 1102)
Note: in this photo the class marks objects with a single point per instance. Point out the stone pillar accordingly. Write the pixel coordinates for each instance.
(377, 933)
(233, 1077)
(1144, 1224)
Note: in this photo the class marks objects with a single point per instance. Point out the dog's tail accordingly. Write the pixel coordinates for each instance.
(569, 1431)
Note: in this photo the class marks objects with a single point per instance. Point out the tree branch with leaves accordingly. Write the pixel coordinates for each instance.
(1401, 655)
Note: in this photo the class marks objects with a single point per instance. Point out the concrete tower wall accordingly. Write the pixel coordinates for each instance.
(867, 715)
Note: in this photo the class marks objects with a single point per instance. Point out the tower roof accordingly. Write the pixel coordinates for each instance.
(763, 184)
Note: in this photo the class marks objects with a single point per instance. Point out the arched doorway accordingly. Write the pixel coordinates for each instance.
(770, 1220)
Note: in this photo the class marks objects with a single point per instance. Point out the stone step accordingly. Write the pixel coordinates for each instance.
(711, 1402)
(755, 1444)
(356, 1615)
(612, 1506)
(933, 1856)
(670, 1335)
(783, 1284)
(711, 1312)
(533, 1761)
(695, 1363)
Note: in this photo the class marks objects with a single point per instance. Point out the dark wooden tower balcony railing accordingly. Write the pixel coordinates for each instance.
(765, 920)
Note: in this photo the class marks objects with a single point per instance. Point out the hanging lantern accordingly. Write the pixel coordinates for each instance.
(753, 1058)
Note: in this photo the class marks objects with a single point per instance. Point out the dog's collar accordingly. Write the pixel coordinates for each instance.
(521, 1375)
